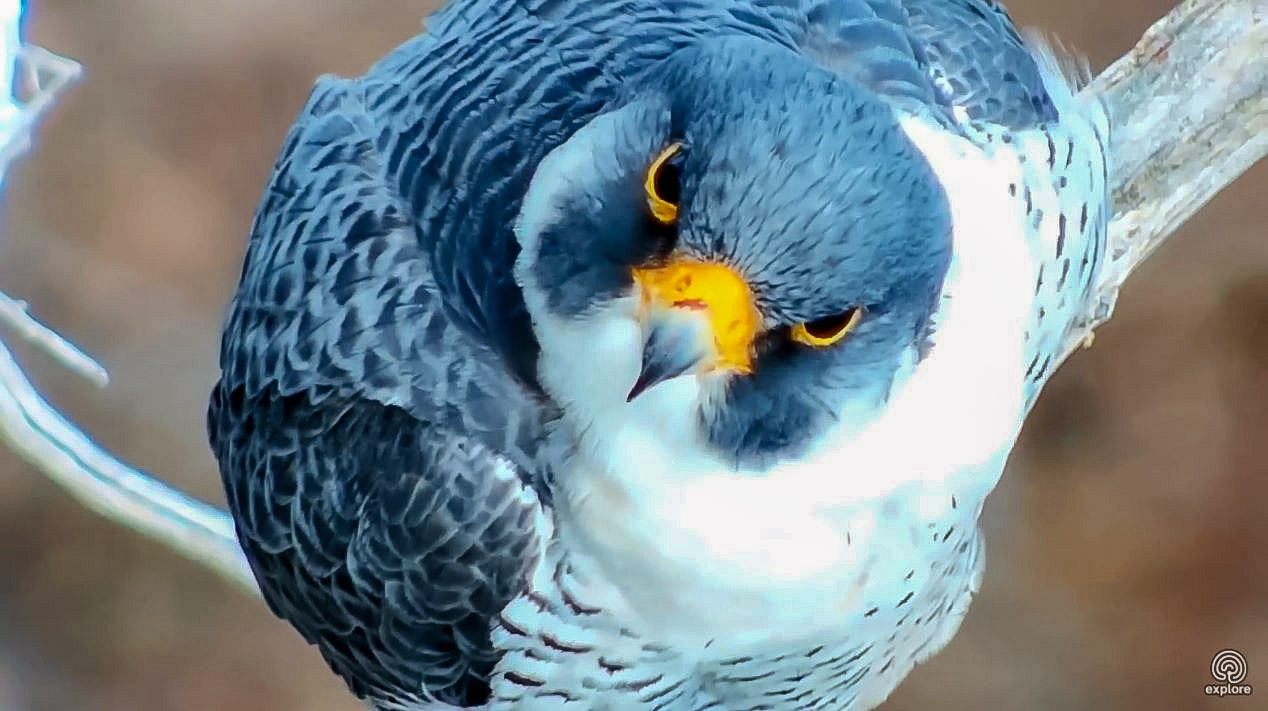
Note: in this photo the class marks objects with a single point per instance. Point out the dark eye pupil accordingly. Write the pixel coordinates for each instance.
(667, 183)
(829, 326)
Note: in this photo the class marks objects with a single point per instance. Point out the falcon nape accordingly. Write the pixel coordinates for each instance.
(653, 354)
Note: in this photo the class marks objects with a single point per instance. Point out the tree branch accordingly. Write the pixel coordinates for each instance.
(30, 80)
(1189, 114)
(1189, 111)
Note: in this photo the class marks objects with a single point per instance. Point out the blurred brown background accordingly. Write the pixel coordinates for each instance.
(1125, 544)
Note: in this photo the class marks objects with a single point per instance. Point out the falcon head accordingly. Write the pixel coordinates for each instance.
(743, 253)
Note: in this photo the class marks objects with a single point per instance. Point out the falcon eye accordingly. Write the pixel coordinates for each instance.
(827, 331)
(662, 185)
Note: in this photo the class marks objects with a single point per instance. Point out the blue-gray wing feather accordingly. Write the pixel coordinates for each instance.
(379, 461)
(978, 61)
(937, 54)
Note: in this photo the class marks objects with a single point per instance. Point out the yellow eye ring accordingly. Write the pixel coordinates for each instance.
(663, 211)
(827, 331)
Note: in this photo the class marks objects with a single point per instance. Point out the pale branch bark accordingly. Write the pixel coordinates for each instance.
(13, 313)
(1189, 112)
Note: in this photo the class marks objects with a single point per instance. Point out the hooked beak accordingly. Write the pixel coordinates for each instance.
(697, 316)
(673, 347)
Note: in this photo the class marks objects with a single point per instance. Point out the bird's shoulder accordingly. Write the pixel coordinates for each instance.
(956, 59)
(379, 461)
(980, 63)
(340, 286)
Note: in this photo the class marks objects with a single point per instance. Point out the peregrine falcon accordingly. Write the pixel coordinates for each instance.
(653, 354)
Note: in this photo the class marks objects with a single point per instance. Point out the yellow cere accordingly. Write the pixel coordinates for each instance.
(717, 290)
(663, 211)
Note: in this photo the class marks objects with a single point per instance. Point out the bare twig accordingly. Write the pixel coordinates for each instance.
(42, 436)
(38, 73)
(13, 314)
(1189, 113)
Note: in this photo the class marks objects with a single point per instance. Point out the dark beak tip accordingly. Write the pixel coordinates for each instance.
(646, 379)
(642, 385)
(668, 353)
